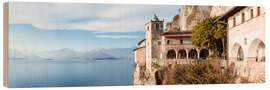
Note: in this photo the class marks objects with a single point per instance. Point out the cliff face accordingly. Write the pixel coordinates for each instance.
(188, 16)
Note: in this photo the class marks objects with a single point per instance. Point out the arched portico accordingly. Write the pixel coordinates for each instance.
(257, 50)
(171, 54)
(192, 54)
(204, 53)
(182, 54)
(240, 54)
(237, 52)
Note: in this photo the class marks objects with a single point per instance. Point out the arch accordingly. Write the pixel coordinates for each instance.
(257, 50)
(240, 54)
(171, 54)
(192, 54)
(182, 54)
(234, 50)
(204, 53)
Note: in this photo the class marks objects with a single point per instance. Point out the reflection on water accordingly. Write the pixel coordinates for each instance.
(56, 73)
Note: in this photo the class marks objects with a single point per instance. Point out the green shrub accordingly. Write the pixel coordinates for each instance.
(200, 72)
(156, 66)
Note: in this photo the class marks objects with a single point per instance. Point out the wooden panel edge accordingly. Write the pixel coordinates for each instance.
(6, 42)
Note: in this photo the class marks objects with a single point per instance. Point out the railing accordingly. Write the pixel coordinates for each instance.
(179, 46)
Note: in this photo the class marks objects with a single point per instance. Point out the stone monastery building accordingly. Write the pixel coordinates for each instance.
(245, 40)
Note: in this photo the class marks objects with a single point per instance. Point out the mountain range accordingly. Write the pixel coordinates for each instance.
(69, 54)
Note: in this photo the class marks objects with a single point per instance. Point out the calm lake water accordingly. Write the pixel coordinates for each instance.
(59, 73)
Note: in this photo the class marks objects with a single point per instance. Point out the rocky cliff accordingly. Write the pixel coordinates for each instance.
(189, 15)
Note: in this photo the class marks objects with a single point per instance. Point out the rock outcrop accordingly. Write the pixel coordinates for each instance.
(188, 16)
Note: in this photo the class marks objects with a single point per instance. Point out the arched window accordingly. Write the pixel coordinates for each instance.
(240, 54)
(204, 53)
(182, 54)
(260, 53)
(171, 54)
(192, 54)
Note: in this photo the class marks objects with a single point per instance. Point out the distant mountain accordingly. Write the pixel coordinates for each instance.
(60, 54)
(101, 54)
(97, 55)
(15, 54)
(122, 53)
(69, 54)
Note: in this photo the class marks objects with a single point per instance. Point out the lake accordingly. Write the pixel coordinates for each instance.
(69, 73)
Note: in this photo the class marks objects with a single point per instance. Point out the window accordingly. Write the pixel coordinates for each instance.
(168, 41)
(258, 11)
(159, 43)
(243, 17)
(234, 22)
(157, 26)
(245, 40)
(148, 28)
(181, 41)
(251, 13)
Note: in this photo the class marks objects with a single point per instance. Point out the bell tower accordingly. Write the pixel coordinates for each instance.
(154, 30)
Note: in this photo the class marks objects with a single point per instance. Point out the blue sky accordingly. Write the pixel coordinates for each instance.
(36, 27)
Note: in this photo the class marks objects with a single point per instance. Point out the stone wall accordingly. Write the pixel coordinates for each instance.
(220, 10)
(140, 56)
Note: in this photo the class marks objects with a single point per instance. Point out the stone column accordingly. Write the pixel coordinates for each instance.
(176, 52)
(187, 52)
(198, 53)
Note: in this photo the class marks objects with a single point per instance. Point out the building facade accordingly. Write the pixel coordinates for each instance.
(245, 45)
(246, 40)
(160, 44)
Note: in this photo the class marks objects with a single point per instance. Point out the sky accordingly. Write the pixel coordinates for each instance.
(35, 27)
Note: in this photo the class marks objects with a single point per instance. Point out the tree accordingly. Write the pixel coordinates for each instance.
(211, 34)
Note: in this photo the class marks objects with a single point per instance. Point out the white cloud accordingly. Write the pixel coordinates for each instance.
(102, 17)
(116, 36)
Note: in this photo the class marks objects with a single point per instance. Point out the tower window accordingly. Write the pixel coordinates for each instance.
(157, 26)
(148, 28)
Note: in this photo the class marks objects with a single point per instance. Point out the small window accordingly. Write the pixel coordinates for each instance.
(251, 13)
(157, 26)
(243, 17)
(245, 40)
(234, 22)
(168, 41)
(148, 28)
(258, 11)
(181, 41)
(159, 43)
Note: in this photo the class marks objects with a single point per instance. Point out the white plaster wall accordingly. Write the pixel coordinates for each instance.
(251, 29)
